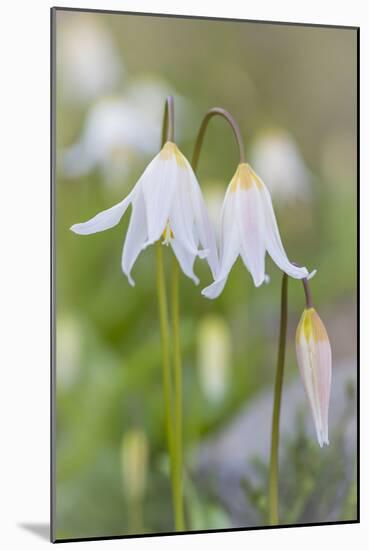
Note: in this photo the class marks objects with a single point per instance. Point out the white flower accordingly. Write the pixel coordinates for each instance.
(120, 129)
(166, 203)
(69, 335)
(249, 228)
(277, 158)
(314, 358)
(87, 57)
(134, 459)
(214, 356)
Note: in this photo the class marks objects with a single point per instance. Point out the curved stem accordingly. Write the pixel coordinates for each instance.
(217, 111)
(278, 385)
(307, 290)
(309, 301)
(178, 474)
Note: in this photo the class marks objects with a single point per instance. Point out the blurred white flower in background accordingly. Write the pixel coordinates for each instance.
(134, 463)
(276, 157)
(119, 130)
(88, 61)
(68, 351)
(214, 356)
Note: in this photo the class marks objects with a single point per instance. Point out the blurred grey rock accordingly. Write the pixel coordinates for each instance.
(227, 458)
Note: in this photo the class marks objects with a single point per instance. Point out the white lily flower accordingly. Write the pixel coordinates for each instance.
(88, 58)
(166, 203)
(249, 229)
(314, 358)
(278, 159)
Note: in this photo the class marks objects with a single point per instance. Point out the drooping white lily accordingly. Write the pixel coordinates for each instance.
(249, 229)
(166, 203)
(314, 358)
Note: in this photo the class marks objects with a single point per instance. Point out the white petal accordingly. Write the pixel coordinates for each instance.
(181, 216)
(324, 373)
(305, 358)
(250, 218)
(136, 236)
(185, 259)
(105, 219)
(206, 233)
(230, 246)
(273, 241)
(158, 185)
(315, 363)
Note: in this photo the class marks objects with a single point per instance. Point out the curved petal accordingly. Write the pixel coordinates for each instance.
(181, 216)
(273, 241)
(305, 352)
(185, 259)
(323, 370)
(136, 236)
(158, 185)
(105, 219)
(250, 219)
(230, 246)
(206, 233)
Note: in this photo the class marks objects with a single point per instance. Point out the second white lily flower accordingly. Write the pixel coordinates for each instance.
(249, 229)
(166, 203)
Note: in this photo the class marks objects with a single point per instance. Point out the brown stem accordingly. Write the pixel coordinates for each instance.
(307, 290)
(168, 122)
(217, 111)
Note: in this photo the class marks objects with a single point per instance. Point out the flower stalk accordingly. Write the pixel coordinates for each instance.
(165, 346)
(278, 385)
(178, 430)
(172, 391)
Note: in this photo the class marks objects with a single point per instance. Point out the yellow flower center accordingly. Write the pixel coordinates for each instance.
(171, 150)
(167, 234)
(245, 178)
(311, 326)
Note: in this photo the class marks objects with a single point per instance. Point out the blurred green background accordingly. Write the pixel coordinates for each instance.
(292, 90)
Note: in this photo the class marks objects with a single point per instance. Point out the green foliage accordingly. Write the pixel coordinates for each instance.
(108, 346)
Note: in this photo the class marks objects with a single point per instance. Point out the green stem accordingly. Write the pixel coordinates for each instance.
(173, 404)
(274, 463)
(178, 473)
(164, 331)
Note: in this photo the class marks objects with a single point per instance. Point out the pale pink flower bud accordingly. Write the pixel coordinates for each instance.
(314, 358)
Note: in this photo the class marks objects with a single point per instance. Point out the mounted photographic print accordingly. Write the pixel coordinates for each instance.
(204, 274)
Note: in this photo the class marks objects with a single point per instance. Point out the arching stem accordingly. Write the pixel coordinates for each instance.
(309, 301)
(217, 111)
